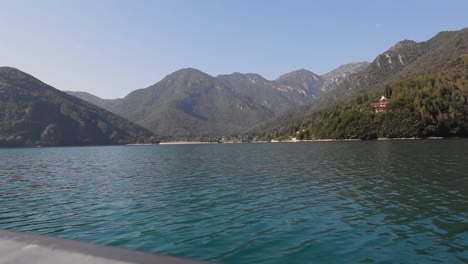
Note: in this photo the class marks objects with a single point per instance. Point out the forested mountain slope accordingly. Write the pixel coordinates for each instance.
(405, 59)
(34, 113)
(428, 105)
(191, 103)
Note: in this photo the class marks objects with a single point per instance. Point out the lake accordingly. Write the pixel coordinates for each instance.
(321, 202)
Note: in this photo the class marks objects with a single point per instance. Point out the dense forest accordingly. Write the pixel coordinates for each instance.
(33, 113)
(433, 105)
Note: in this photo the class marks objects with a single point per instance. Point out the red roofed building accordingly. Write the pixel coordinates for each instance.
(382, 105)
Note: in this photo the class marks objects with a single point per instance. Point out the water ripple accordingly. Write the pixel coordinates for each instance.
(339, 202)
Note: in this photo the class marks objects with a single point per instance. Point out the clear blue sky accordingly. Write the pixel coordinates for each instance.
(111, 47)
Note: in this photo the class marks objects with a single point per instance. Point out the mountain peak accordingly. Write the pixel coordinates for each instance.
(3, 68)
(13, 73)
(403, 44)
(300, 81)
(350, 68)
(189, 103)
(301, 73)
(9, 69)
(19, 78)
(187, 75)
(188, 71)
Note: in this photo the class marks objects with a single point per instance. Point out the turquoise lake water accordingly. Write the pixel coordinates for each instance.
(322, 202)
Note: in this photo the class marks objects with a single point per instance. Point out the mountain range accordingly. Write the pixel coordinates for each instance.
(424, 80)
(428, 105)
(403, 60)
(190, 103)
(406, 59)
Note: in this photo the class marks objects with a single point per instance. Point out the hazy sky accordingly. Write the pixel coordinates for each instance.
(110, 48)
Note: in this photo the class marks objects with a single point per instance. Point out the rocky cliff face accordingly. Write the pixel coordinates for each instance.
(302, 82)
(339, 75)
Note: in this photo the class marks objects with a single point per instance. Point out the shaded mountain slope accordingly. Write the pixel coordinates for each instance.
(34, 113)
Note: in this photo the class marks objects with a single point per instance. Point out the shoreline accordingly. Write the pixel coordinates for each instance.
(253, 142)
(187, 143)
(355, 139)
(294, 141)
